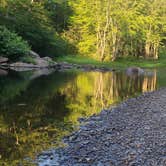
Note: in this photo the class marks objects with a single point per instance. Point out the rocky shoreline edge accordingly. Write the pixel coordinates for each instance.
(131, 134)
(47, 63)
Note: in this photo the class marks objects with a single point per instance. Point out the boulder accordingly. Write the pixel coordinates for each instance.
(22, 64)
(44, 62)
(65, 65)
(34, 54)
(3, 59)
(41, 63)
(47, 59)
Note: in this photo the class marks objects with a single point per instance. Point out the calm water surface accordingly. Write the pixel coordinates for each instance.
(36, 110)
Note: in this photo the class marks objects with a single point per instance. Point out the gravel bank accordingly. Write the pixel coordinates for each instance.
(132, 134)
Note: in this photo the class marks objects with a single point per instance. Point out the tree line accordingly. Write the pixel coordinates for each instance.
(112, 28)
(103, 29)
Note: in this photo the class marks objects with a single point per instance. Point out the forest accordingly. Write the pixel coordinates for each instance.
(96, 63)
(101, 29)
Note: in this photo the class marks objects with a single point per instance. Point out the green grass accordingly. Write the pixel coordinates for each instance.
(119, 63)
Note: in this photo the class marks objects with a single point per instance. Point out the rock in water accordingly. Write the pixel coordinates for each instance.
(134, 71)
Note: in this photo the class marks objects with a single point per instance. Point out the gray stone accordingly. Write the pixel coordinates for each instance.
(34, 54)
(22, 64)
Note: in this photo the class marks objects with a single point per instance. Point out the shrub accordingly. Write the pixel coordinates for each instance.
(12, 45)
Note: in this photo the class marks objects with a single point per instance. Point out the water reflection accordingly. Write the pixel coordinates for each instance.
(36, 113)
(89, 93)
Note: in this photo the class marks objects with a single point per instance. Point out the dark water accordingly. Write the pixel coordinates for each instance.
(36, 110)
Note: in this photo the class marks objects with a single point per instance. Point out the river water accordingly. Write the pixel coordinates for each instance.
(37, 111)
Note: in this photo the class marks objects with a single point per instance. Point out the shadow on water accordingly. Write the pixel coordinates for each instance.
(37, 112)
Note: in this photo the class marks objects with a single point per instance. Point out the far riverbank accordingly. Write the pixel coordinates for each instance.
(119, 63)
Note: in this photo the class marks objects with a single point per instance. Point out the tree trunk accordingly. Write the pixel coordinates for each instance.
(147, 49)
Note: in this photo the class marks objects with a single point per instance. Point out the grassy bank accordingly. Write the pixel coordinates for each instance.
(119, 63)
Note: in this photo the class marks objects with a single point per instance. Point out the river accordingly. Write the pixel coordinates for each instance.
(37, 111)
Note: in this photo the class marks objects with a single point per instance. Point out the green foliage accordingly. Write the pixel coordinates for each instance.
(39, 23)
(12, 45)
(32, 23)
(59, 12)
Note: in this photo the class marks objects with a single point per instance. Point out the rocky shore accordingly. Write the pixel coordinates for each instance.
(132, 134)
(45, 63)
